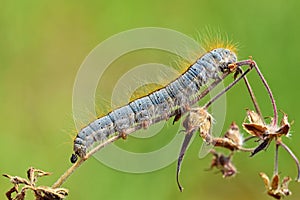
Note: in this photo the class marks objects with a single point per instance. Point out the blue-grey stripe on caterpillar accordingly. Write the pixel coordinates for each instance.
(156, 106)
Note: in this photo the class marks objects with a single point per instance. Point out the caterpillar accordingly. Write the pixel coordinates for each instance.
(158, 105)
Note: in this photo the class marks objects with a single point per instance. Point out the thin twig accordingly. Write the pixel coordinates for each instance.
(276, 160)
(68, 173)
(294, 158)
(253, 98)
(226, 89)
(275, 119)
(249, 138)
(229, 144)
(209, 88)
(246, 149)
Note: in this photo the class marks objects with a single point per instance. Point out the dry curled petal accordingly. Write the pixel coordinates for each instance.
(261, 146)
(33, 174)
(256, 125)
(284, 126)
(233, 133)
(257, 130)
(43, 192)
(253, 117)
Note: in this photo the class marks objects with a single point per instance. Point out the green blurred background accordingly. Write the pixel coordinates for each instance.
(43, 45)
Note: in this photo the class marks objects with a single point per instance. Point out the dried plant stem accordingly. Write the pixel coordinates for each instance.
(276, 160)
(68, 173)
(229, 144)
(253, 98)
(249, 138)
(253, 64)
(226, 89)
(209, 88)
(275, 119)
(246, 149)
(279, 142)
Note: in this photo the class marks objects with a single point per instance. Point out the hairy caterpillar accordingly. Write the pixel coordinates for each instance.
(158, 105)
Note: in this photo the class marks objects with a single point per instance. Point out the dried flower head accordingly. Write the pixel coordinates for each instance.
(223, 163)
(274, 188)
(40, 192)
(265, 132)
(233, 133)
(268, 133)
(199, 119)
(232, 140)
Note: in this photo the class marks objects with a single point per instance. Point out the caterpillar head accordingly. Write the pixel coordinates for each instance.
(224, 57)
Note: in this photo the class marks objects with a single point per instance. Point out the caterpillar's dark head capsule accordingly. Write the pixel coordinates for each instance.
(73, 158)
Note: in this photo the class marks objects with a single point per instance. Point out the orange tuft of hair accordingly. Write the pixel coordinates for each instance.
(212, 39)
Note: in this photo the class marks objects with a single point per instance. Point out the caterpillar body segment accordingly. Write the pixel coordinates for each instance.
(144, 110)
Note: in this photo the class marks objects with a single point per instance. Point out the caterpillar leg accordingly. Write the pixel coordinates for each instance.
(123, 135)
